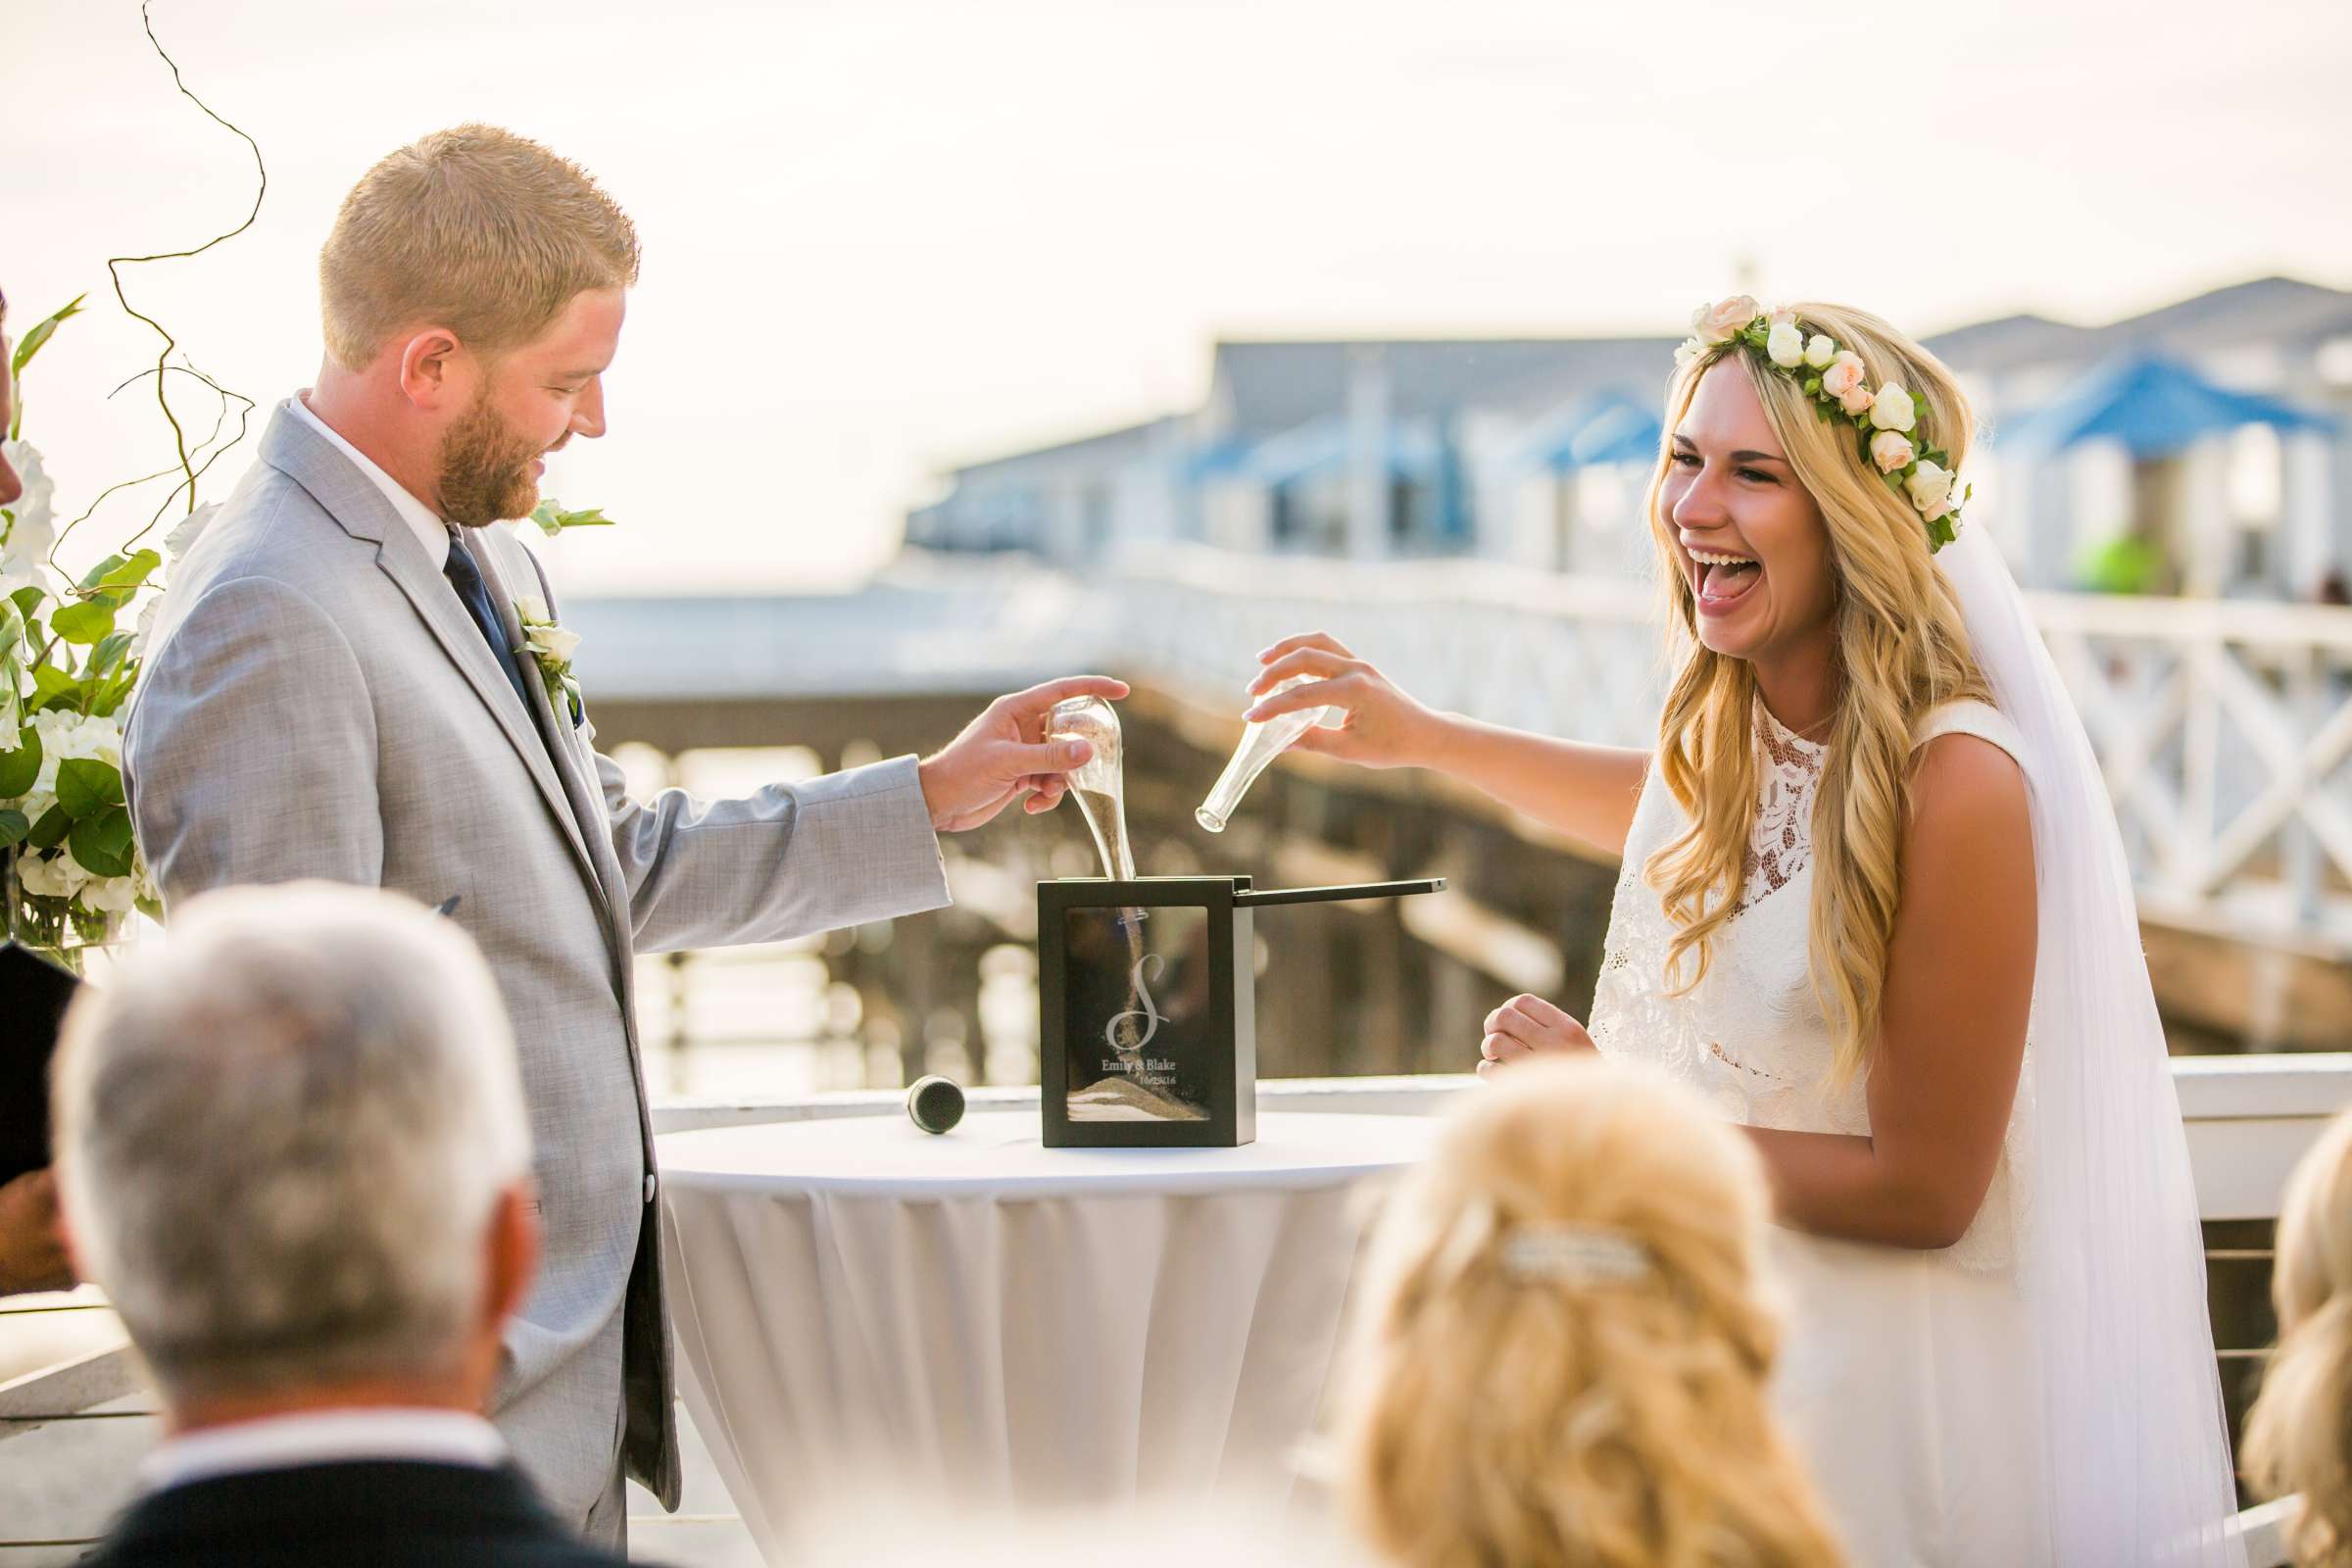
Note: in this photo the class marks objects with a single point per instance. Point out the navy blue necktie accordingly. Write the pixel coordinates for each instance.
(467, 578)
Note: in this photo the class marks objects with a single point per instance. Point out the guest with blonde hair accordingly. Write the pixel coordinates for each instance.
(1565, 1350)
(2299, 1433)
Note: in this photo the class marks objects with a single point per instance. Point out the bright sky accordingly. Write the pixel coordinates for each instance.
(883, 236)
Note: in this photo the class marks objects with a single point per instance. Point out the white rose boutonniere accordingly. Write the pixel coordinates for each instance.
(550, 649)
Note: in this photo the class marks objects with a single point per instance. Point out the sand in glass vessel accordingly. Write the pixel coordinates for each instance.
(1099, 786)
(1261, 743)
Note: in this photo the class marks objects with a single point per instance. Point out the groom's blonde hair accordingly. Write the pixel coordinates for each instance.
(475, 229)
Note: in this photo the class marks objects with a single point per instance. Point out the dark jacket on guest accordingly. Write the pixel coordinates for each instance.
(354, 1514)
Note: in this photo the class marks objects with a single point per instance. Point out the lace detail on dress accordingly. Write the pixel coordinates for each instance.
(1750, 1037)
(1789, 769)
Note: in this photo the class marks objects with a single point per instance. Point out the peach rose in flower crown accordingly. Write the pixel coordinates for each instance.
(1722, 320)
(1890, 450)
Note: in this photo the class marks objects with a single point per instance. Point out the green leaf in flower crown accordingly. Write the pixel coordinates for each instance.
(50, 831)
(42, 332)
(12, 627)
(553, 520)
(108, 654)
(21, 765)
(13, 829)
(85, 623)
(102, 842)
(85, 786)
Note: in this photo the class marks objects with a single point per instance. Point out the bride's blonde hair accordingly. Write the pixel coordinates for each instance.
(1901, 649)
(2299, 1433)
(1490, 1412)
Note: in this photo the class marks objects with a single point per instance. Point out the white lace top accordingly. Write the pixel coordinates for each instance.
(1751, 1037)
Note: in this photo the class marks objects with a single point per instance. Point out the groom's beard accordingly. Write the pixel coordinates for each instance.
(486, 470)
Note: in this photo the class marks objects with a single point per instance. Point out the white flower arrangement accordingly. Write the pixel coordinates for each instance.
(68, 666)
(1837, 380)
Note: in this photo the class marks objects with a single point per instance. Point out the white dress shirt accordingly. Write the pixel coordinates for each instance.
(432, 532)
(325, 1436)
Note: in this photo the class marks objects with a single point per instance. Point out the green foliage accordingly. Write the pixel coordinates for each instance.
(30, 344)
(22, 764)
(2124, 564)
(42, 331)
(50, 831)
(553, 520)
(102, 842)
(85, 625)
(13, 829)
(86, 786)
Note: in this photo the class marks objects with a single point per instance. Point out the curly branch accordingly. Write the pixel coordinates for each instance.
(115, 262)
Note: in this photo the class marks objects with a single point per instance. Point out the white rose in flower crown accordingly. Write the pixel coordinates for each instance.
(1844, 374)
(1891, 409)
(1724, 321)
(552, 641)
(1890, 450)
(1781, 315)
(1687, 350)
(1820, 351)
(1930, 487)
(1785, 345)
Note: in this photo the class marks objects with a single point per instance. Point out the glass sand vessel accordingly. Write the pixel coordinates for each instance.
(1260, 744)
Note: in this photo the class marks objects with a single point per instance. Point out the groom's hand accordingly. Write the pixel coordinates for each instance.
(1528, 1026)
(1003, 755)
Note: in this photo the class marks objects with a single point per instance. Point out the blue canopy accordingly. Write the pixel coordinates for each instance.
(1602, 428)
(2154, 406)
(1321, 446)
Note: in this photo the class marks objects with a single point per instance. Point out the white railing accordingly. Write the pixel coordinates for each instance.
(2225, 727)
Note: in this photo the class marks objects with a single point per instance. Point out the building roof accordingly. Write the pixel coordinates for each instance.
(1264, 387)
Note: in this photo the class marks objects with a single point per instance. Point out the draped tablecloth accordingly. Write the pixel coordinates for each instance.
(974, 1318)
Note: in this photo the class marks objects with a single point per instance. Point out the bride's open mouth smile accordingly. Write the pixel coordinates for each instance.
(1721, 580)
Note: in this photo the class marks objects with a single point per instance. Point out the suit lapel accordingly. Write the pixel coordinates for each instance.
(352, 499)
(573, 761)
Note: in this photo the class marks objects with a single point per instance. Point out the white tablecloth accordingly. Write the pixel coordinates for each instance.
(976, 1317)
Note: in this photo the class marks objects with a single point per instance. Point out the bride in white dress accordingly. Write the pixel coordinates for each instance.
(1875, 906)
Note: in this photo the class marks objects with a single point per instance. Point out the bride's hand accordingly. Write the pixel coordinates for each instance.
(1383, 728)
(1528, 1026)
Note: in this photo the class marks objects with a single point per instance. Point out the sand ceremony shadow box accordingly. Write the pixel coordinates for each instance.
(1148, 1003)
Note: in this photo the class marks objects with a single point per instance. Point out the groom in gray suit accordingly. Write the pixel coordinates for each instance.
(339, 687)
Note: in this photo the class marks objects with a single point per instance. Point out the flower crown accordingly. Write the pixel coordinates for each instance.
(1835, 380)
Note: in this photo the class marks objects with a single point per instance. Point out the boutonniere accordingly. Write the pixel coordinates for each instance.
(551, 647)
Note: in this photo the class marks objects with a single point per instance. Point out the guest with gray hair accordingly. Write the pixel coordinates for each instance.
(292, 1149)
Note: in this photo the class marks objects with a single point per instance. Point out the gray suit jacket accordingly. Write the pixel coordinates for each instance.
(316, 703)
